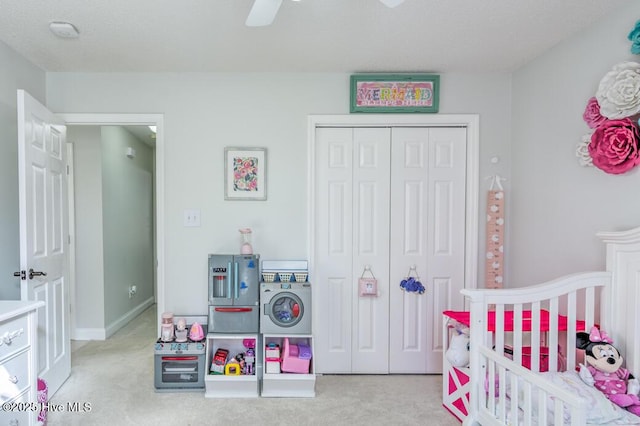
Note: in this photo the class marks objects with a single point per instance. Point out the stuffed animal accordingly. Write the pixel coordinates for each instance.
(605, 372)
(458, 352)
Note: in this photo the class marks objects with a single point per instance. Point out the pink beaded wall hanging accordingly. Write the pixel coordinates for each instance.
(494, 267)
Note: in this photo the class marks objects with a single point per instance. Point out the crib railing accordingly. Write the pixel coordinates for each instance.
(518, 396)
(525, 319)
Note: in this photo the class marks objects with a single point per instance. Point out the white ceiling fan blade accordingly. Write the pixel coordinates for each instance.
(263, 12)
(392, 3)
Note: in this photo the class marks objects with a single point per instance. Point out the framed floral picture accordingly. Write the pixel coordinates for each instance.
(245, 173)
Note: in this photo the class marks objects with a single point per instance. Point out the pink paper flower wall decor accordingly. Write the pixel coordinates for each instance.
(614, 146)
(612, 114)
(592, 115)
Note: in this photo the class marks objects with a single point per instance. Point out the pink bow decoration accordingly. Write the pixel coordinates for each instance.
(599, 336)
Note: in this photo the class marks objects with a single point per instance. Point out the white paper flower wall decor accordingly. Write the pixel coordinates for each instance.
(612, 114)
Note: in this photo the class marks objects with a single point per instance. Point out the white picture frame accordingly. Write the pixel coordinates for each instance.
(245, 174)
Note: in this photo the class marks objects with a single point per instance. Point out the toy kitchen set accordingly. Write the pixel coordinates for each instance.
(255, 339)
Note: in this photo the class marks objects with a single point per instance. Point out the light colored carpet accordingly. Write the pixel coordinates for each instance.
(116, 378)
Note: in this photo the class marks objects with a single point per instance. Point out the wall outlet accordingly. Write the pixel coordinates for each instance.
(132, 291)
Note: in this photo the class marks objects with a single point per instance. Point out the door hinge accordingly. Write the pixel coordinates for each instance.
(67, 170)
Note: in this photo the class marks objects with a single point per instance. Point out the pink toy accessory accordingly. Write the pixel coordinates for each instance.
(599, 336)
(291, 360)
(196, 333)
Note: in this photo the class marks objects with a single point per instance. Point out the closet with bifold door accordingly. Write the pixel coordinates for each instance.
(387, 203)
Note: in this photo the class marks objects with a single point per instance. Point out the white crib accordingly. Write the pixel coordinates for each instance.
(501, 391)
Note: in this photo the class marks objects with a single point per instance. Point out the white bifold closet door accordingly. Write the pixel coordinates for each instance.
(389, 198)
(427, 231)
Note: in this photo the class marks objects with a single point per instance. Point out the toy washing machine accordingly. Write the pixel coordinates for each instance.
(285, 308)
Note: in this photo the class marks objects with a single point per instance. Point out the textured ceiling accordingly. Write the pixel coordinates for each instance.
(306, 36)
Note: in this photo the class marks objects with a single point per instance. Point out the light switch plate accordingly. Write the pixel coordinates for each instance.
(191, 217)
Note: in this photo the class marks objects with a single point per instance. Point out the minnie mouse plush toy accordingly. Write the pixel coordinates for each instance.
(605, 372)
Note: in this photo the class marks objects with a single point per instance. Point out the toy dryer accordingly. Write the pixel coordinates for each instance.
(234, 291)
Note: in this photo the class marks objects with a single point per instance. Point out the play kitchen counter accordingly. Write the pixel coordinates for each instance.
(18, 363)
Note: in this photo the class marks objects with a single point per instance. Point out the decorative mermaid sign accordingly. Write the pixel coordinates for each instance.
(395, 93)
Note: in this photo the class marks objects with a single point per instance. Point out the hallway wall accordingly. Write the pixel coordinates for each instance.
(114, 228)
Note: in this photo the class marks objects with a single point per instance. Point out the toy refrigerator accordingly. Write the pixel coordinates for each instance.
(234, 291)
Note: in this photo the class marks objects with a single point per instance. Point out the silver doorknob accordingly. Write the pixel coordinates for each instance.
(33, 273)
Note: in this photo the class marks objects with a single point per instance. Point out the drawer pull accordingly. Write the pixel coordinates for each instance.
(8, 337)
(13, 379)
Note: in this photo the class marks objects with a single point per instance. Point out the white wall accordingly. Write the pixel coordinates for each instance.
(15, 73)
(89, 297)
(557, 206)
(205, 112)
(127, 211)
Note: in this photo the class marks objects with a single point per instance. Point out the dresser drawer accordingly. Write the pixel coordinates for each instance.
(14, 375)
(13, 335)
(20, 412)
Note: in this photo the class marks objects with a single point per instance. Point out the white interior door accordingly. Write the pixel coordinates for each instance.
(352, 233)
(371, 181)
(427, 240)
(43, 233)
(333, 236)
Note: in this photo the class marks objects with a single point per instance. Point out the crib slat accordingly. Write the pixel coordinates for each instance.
(499, 332)
(515, 391)
(491, 387)
(502, 394)
(572, 312)
(528, 406)
(558, 411)
(589, 307)
(552, 335)
(535, 336)
(542, 404)
(517, 333)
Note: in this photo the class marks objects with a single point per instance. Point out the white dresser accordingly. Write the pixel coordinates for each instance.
(18, 362)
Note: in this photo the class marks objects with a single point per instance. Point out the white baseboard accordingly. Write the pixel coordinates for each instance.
(88, 334)
(104, 333)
